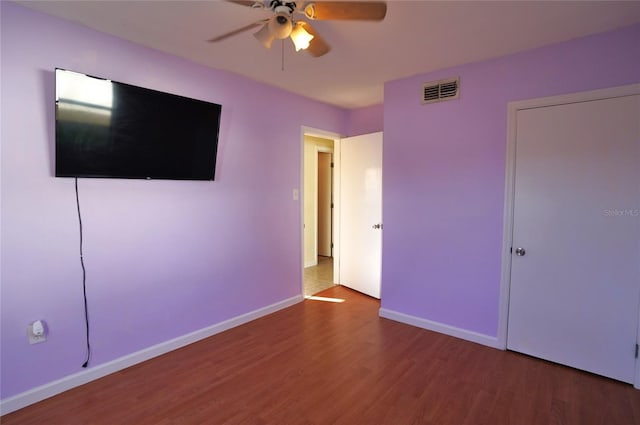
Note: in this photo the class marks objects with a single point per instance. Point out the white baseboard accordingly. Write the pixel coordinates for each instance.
(490, 341)
(310, 263)
(50, 389)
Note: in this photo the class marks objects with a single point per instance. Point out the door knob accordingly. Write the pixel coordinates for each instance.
(377, 226)
(520, 252)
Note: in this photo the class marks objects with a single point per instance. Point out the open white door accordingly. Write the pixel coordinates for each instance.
(361, 213)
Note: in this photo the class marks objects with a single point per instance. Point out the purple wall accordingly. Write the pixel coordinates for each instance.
(365, 120)
(166, 258)
(163, 258)
(444, 167)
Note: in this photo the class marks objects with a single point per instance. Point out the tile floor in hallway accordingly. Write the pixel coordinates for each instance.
(320, 277)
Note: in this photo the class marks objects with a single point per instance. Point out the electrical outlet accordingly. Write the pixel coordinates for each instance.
(36, 332)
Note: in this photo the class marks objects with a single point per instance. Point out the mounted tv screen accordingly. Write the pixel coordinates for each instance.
(115, 130)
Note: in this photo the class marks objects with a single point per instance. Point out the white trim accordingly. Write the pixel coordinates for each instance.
(314, 160)
(489, 341)
(587, 96)
(509, 195)
(310, 263)
(336, 210)
(301, 208)
(507, 227)
(636, 384)
(50, 389)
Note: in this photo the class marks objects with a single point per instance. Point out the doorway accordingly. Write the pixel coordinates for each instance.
(318, 216)
(356, 171)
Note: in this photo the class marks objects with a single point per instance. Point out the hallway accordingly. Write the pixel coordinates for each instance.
(319, 277)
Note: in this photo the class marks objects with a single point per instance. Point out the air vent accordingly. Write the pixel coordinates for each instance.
(438, 91)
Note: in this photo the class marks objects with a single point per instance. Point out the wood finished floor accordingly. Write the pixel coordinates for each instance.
(339, 363)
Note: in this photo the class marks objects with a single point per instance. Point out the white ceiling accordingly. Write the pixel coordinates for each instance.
(415, 37)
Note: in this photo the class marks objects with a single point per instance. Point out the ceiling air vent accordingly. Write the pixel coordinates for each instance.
(438, 91)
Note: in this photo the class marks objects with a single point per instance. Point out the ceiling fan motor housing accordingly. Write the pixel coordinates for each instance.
(281, 24)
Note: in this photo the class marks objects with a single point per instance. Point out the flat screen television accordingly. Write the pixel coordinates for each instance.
(115, 130)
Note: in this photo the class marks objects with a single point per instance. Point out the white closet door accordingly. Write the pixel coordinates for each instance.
(574, 293)
(361, 213)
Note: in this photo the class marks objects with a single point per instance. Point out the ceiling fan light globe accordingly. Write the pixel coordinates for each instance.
(280, 25)
(300, 37)
(264, 36)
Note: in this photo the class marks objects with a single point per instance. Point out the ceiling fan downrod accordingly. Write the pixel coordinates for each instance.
(279, 6)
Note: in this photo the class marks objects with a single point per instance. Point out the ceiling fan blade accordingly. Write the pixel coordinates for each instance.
(317, 46)
(238, 31)
(346, 10)
(248, 3)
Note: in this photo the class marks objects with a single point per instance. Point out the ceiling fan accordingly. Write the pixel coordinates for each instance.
(285, 20)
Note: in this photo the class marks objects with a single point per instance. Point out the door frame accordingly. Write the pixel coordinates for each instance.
(509, 193)
(310, 131)
(316, 218)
